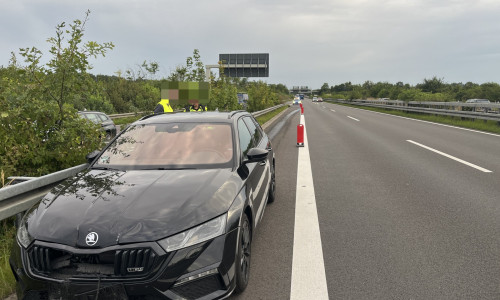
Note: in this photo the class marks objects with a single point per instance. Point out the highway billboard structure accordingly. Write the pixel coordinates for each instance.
(242, 65)
(300, 90)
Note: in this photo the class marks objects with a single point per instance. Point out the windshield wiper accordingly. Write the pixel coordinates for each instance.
(162, 168)
(104, 168)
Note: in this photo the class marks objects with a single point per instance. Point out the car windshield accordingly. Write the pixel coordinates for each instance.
(171, 146)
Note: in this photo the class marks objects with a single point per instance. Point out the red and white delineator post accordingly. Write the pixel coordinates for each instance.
(300, 135)
(300, 128)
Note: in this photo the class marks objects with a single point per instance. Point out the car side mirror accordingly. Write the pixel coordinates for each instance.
(256, 155)
(92, 155)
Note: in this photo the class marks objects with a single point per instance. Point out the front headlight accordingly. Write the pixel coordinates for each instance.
(23, 236)
(199, 234)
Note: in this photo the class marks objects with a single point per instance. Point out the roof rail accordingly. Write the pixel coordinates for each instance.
(150, 116)
(231, 114)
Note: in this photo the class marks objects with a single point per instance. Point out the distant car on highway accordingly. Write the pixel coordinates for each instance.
(319, 99)
(315, 99)
(297, 101)
(479, 101)
(107, 125)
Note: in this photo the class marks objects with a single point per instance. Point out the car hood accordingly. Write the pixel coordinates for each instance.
(132, 206)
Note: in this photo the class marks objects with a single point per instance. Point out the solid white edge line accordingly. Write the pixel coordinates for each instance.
(451, 157)
(429, 122)
(353, 118)
(308, 267)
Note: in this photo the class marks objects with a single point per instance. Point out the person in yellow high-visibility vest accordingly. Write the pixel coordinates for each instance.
(196, 106)
(163, 107)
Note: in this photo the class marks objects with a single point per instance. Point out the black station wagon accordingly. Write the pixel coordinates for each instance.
(165, 211)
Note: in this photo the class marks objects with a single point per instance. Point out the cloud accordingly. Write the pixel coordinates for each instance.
(310, 42)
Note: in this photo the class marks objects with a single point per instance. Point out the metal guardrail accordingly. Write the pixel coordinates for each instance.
(117, 116)
(255, 114)
(20, 197)
(455, 109)
(265, 111)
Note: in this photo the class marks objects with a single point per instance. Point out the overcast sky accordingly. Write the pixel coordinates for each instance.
(309, 42)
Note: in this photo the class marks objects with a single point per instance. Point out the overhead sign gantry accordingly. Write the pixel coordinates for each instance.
(242, 65)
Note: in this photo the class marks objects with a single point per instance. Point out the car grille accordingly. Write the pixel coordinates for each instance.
(199, 288)
(61, 264)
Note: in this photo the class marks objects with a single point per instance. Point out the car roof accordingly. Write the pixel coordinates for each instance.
(477, 100)
(208, 116)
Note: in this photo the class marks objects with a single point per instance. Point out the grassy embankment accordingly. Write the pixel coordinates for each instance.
(264, 118)
(482, 125)
(7, 234)
(8, 231)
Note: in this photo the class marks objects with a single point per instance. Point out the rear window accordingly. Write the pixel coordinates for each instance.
(171, 145)
(93, 117)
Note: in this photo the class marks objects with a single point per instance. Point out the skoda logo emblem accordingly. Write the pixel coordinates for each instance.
(91, 238)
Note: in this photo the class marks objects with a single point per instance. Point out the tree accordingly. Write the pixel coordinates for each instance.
(41, 131)
(344, 87)
(132, 95)
(32, 144)
(260, 96)
(434, 85)
(65, 76)
(143, 72)
(223, 94)
(325, 88)
(194, 69)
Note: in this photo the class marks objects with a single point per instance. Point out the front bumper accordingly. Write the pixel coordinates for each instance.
(205, 270)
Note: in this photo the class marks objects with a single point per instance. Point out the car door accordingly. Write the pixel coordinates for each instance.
(260, 176)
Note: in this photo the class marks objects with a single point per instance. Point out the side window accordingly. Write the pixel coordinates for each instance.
(245, 138)
(103, 117)
(257, 135)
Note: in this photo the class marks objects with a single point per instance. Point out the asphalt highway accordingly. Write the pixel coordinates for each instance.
(406, 209)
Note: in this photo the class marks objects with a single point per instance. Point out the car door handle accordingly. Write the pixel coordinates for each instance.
(262, 163)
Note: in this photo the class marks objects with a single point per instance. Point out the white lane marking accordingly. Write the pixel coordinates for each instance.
(452, 157)
(308, 266)
(332, 110)
(353, 118)
(429, 122)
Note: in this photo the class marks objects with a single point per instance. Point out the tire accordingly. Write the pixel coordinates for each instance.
(243, 256)
(272, 186)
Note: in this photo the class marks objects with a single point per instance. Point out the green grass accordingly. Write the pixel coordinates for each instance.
(264, 118)
(7, 236)
(482, 125)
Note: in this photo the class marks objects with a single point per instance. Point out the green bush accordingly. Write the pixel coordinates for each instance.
(33, 144)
